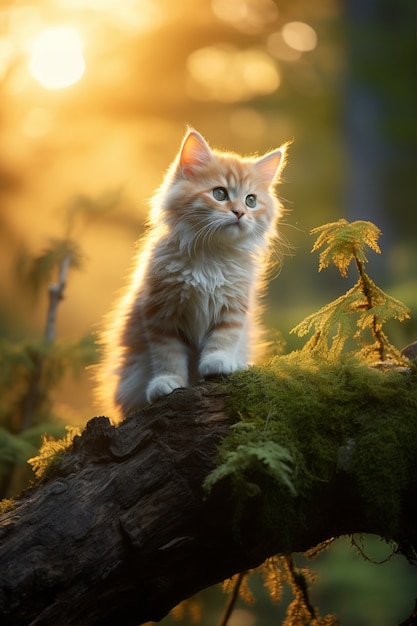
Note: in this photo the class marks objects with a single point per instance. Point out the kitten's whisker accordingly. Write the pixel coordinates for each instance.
(206, 233)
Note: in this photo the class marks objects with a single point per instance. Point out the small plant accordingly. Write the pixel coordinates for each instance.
(51, 452)
(277, 571)
(344, 242)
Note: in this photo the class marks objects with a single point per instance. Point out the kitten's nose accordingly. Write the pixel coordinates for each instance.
(238, 213)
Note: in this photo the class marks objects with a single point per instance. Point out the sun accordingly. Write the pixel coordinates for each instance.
(56, 59)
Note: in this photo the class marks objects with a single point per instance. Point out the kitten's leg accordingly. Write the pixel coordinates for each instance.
(148, 375)
(169, 365)
(226, 348)
(129, 393)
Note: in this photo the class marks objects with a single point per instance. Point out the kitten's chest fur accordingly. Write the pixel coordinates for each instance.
(199, 291)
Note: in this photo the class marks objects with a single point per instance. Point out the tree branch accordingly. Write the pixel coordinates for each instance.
(56, 294)
(123, 531)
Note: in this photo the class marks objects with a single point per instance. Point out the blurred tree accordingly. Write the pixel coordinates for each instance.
(31, 369)
(379, 114)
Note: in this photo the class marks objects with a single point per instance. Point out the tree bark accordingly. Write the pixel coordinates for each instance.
(123, 530)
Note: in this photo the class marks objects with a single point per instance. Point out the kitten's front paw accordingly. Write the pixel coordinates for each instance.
(163, 386)
(218, 363)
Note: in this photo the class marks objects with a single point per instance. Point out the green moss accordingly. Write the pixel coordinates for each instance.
(6, 505)
(295, 414)
(51, 452)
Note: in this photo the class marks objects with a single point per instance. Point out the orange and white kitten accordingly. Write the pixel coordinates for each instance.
(190, 309)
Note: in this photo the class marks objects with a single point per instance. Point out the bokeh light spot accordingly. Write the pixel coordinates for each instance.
(57, 58)
(299, 36)
(258, 71)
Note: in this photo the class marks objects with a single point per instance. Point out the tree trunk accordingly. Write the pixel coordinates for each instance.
(123, 530)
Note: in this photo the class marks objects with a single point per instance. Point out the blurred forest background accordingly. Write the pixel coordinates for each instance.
(95, 99)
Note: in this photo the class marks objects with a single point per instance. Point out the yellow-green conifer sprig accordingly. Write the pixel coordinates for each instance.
(345, 241)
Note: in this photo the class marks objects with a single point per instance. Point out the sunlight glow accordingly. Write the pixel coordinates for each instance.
(247, 122)
(37, 123)
(6, 54)
(129, 15)
(57, 58)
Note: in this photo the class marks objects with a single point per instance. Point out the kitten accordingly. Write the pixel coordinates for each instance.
(190, 309)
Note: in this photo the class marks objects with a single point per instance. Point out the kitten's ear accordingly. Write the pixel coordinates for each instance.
(195, 152)
(269, 166)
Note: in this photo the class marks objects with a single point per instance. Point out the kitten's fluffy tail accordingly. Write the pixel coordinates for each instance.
(105, 381)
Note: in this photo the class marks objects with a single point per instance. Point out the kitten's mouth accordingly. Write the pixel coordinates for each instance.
(237, 227)
(236, 222)
(234, 225)
(241, 224)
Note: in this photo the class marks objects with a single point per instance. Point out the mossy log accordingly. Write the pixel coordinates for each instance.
(122, 529)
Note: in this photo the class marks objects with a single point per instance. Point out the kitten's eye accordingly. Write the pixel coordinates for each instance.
(220, 194)
(250, 201)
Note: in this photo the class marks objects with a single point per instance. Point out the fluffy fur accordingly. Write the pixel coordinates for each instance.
(190, 310)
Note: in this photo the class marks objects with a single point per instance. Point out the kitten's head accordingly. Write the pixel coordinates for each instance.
(213, 199)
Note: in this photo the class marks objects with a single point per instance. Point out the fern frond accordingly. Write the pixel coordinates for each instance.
(271, 458)
(13, 448)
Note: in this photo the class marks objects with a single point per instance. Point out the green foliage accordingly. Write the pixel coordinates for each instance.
(30, 370)
(17, 448)
(294, 418)
(269, 458)
(6, 505)
(294, 421)
(276, 572)
(276, 461)
(13, 448)
(364, 307)
(345, 242)
(35, 272)
(51, 451)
